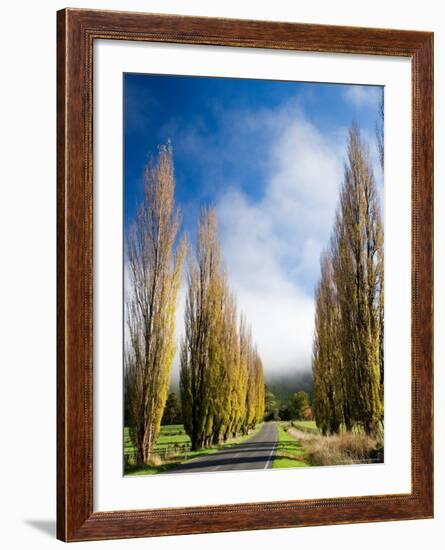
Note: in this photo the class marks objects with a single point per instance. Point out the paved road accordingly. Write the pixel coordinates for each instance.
(255, 454)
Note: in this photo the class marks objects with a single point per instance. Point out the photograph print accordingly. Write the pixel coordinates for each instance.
(253, 274)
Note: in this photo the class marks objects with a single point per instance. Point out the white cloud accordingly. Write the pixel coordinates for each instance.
(272, 245)
(363, 95)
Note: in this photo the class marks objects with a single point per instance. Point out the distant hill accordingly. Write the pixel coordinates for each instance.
(284, 386)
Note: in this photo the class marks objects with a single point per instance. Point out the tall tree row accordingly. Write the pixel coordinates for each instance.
(221, 378)
(348, 341)
(154, 274)
(381, 149)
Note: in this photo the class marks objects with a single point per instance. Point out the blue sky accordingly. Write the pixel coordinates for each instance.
(269, 157)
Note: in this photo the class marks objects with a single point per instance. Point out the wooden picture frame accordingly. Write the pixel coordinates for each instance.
(76, 32)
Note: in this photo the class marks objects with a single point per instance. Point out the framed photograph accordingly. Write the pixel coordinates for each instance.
(245, 275)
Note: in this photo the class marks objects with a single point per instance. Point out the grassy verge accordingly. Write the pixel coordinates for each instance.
(301, 444)
(290, 452)
(167, 464)
(176, 435)
(308, 426)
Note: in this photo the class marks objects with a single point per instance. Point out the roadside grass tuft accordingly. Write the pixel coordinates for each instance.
(339, 449)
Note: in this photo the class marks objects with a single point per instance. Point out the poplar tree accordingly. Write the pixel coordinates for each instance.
(260, 389)
(246, 362)
(348, 342)
(239, 381)
(250, 362)
(221, 378)
(154, 273)
(381, 149)
(358, 270)
(198, 349)
(326, 362)
(222, 358)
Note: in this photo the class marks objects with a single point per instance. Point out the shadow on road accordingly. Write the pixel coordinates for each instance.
(216, 462)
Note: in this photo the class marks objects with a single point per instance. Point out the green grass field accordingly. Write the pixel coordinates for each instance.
(290, 453)
(175, 435)
(308, 426)
(170, 435)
